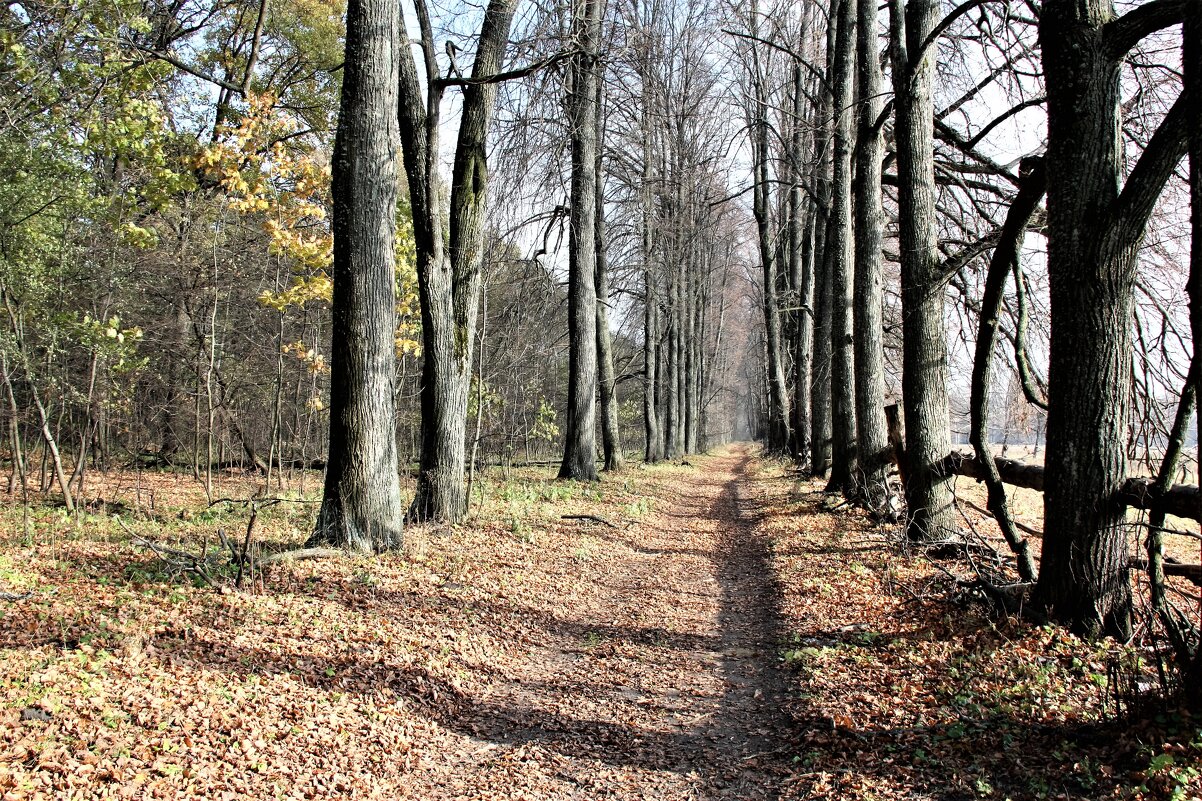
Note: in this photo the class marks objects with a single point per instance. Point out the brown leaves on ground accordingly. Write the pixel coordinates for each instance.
(724, 638)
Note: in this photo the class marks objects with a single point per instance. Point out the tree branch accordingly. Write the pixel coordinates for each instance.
(1151, 172)
(509, 75)
(1126, 32)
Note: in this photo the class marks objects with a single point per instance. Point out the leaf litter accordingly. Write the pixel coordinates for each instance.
(693, 632)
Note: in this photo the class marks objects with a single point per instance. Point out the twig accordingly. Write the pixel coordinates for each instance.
(250, 530)
(1034, 532)
(226, 542)
(261, 502)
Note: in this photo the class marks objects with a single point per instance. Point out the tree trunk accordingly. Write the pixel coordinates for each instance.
(924, 335)
(872, 436)
(611, 442)
(820, 368)
(803, 333)
(778, 396)
(449, 282)
(654, 444)
(361, 508)
(580, 449)
(1093, 239)
(839, 249)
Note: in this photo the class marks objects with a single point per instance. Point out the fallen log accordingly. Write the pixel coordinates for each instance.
(1137, 493)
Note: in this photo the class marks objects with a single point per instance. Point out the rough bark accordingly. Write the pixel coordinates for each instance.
(580, 449)
(361, 506)
(872, 436)
(930, 515)
(803, 333)
(1093, 238)
(611, 443)
(839, 249)
(1192, 58)
(449, 279)
(820, 368)
(801, 277)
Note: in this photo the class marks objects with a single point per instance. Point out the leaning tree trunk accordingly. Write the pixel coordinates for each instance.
(1005, 255)
(924, 335)
(839, 248)
(580, 449)
(1094, 233)
(872, 436)
(361, 507)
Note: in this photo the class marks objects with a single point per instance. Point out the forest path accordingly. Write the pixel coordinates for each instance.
(658, 678)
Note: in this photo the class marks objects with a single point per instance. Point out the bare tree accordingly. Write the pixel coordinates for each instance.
(448, 261)
(580, 449)
(872, 440)
(1095, 225)
(924, 335)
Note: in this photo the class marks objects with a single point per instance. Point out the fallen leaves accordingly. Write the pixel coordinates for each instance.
(723, 636)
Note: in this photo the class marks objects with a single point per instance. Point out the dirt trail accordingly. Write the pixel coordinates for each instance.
(658, 680)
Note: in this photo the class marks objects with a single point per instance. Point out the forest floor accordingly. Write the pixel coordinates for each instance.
(714, 629)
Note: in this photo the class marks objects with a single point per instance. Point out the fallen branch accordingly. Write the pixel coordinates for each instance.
(1171, 568)
(1138, 493)
(299, 554)
(593, 518)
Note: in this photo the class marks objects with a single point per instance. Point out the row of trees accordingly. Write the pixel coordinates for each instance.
(665, 222)
(199, 272)
(939, 179)
(680, 249)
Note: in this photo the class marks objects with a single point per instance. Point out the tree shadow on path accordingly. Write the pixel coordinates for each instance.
(720, 732)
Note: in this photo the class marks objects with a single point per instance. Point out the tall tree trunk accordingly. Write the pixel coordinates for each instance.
(800, 275)
(580, 449)
(361, 507)
(1192, 58)
(803, 344)
(872, 436)
(611, 442)
(654, 443)
(1094, 234)
(820, 368)
(449, 282)
(924, 335)
(839, 245)
(778, 396)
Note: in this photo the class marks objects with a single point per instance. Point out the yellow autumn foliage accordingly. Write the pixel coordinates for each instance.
(288, 186)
